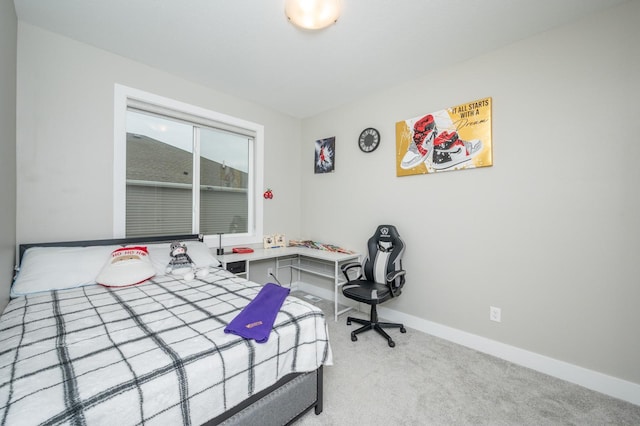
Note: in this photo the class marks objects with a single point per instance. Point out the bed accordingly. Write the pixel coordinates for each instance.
(151, 353)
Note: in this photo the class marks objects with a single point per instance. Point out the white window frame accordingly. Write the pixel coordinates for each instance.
(255, 200)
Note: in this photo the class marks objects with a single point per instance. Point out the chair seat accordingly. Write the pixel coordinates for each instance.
(366, 291)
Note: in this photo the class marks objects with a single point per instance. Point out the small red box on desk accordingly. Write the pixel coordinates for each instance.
(242, 250)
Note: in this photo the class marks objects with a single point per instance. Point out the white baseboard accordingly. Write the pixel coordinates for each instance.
(599, 382)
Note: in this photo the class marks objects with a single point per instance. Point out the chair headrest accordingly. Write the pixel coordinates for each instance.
(386, 237)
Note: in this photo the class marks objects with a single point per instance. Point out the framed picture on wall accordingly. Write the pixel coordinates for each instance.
(325, 155)
(455, 138)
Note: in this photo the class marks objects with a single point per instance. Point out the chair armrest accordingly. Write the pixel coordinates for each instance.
(392, 277)
(348, 266)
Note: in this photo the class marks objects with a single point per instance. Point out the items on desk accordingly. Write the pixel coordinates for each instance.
(220, 250)
(274, 241)
(242, 250)
(319, 246)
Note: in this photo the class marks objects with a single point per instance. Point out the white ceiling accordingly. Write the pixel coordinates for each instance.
(248, 49)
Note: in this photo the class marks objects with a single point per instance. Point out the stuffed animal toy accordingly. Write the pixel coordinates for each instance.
(182, 264)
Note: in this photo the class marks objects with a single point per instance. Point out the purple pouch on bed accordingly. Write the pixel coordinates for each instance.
(256, 319)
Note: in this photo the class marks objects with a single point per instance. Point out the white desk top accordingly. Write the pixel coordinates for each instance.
(270, 253)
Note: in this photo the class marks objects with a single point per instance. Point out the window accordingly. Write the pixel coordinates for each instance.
(180, 169)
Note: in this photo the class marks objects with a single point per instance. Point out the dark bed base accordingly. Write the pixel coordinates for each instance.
(280, 404)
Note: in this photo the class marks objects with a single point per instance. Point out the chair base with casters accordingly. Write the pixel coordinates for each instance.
(380, 277)
(376, 325)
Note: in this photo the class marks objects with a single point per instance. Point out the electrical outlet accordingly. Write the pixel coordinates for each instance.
(494, 313)
(269, 272)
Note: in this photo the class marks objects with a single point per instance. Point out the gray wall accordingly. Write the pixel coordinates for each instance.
(8, 39)
(65, 137)
(550, 233)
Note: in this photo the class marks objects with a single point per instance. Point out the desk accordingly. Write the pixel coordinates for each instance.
(293, 257)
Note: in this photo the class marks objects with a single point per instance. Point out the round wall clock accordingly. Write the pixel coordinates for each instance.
(369, 140)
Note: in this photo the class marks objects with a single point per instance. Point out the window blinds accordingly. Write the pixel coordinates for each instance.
(164, 112)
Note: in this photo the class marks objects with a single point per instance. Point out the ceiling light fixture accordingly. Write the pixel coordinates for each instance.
(312, 14)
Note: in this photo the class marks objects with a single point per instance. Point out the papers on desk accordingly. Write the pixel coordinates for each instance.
(319, 246)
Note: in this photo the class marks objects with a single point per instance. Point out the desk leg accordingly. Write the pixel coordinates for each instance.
(335, 290)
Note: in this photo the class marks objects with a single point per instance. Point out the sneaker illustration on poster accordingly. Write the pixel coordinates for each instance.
(449, 150)
(424, 134)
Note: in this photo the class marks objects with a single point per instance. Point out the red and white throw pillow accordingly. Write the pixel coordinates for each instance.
(126, 266)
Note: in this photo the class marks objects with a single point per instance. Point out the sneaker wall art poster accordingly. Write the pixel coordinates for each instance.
(455, 138)
(325, 155)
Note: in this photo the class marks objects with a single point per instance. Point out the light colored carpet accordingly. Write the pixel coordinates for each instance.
(426, 380)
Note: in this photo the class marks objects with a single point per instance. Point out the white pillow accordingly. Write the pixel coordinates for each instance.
(126, 266)
(57, 268)
(198, 251)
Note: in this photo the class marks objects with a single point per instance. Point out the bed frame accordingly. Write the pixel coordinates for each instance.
(280, 404)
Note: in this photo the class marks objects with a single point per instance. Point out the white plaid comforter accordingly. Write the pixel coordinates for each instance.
(150, 354)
